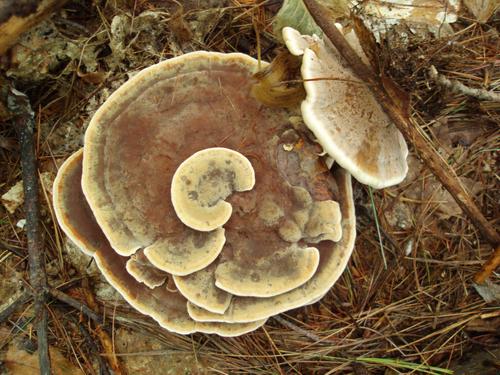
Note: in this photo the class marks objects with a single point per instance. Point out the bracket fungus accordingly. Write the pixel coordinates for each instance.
(344, 115)
(205, 209)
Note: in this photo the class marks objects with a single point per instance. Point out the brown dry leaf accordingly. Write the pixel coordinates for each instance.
(13, 198)
(482, 9)
(446, 204)
(432, 191)
(179, 26)
(429, 12)
(463, 133)
(9, 144)
(367, 42)
(108, 348)
(92, 77)
(19, 362)
(397, 94)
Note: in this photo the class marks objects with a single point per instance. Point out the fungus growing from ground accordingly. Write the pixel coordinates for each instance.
(344, 115)
(201, 205)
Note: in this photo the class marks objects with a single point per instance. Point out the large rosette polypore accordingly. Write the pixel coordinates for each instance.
(273, 250)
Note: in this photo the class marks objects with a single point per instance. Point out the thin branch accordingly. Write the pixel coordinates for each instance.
(94, 349)
(491, 265)
(460, 88)
(63, 297)
(101, 331)
(311, 335)
(24, 123)
(12, 249)
(411, 133)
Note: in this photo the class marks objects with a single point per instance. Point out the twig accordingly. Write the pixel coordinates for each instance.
(100, 329)
(63, 297)
(491, 264)
(106, 341)
(293, 327)
(460, 88)
(103, 368)
(24, 123)
(12, 249)
(427, 153)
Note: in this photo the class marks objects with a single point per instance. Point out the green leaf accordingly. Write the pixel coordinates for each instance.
(294, 13)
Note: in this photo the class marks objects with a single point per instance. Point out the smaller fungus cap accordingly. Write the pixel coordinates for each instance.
(344, 115)
(201, 183)
(199, 288)
(324, 222)
(144, 271)
(187, 254)
(299, 265)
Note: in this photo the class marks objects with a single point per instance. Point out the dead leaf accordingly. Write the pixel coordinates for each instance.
(482, 9)
(179, 27)
(397, 94)
(9, 144)
(463, 133)
(484, 325)
(367, 42)
(447, 205)
(488, 290)
(433, 192)
(92, 77)
(19, 362)
(13, 198)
